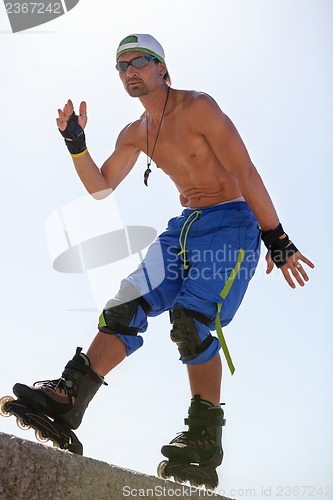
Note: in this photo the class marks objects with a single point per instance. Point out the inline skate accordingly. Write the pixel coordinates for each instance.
(193, 455)
(55, 407)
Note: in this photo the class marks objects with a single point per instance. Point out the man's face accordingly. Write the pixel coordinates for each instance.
(138, 81)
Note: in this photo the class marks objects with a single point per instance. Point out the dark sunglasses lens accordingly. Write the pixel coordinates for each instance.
(121, 66)
(139, 62)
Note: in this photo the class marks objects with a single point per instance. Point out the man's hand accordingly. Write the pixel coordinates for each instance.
(71, 127)
(292, 270)
(67, 111)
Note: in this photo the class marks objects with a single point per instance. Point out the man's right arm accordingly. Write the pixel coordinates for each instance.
(98, 182)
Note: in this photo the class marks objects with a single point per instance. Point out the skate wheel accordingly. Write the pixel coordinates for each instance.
(22, 424)
(210, 487)
(195, 484)
(3, 411)
(179, 479)
(40, 436)
(161, 470)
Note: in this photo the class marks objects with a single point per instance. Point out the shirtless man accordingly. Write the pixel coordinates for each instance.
(198, 147)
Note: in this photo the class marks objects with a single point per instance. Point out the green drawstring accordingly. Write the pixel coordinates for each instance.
(223, 294)
(184, 232)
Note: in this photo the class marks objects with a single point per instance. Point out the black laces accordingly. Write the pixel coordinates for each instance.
(52, 385)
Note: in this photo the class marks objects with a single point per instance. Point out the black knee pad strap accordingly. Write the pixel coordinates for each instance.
(115, 319)
(185, 334)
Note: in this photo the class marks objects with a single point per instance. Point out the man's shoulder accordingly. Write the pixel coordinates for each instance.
(190, 94)
(202, 111)
(131, 130)
(196, 99)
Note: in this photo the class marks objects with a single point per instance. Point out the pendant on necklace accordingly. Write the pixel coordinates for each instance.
(146, 175)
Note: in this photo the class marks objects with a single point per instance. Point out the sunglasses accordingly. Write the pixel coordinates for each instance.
(137, 62)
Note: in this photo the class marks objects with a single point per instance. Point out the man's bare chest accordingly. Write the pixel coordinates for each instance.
(175, 146)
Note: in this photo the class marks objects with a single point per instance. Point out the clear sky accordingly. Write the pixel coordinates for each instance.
(268, 65)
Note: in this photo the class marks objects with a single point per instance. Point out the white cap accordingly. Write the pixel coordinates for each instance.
(141, 43)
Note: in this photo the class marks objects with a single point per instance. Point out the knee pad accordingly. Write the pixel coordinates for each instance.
(184, 332)
(119, 312)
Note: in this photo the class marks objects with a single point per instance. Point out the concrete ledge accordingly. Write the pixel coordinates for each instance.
(32, 471)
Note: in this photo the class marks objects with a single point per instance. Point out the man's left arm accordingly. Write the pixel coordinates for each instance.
(229, 148)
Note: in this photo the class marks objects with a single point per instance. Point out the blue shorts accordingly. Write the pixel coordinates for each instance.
(192, 265)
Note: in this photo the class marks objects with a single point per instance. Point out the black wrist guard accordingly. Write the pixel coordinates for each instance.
(75, 139)
(279, 245)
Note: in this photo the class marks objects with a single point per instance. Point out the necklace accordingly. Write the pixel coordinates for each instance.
(149, 159)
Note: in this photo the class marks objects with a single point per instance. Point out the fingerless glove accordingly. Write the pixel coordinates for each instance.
(279, 245)
(75, 139)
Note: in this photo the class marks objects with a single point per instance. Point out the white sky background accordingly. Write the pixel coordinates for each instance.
(268, 65)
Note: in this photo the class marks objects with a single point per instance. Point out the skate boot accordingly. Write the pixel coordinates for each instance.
(63, 400)
(194, 454)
